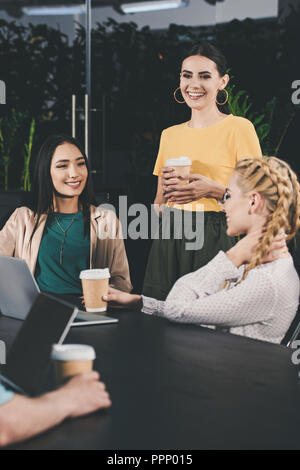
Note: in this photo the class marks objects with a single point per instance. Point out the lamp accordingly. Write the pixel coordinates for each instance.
(140, 7)
(54, 10)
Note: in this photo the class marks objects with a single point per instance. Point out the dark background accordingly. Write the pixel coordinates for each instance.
(135, 71)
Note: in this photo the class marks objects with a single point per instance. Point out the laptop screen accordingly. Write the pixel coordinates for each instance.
(48, 322)
(15, 272)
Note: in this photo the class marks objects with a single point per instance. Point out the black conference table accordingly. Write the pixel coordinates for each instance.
(177, 386)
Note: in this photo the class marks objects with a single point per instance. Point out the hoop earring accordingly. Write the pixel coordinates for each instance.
(174, 94)
(226, 99)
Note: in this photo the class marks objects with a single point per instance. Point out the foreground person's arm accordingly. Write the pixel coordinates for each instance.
(24, 417)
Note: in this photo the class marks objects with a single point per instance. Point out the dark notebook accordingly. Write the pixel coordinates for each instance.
(47, 323)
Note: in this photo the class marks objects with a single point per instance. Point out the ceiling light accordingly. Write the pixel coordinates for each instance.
(54, 10)
(153, 5)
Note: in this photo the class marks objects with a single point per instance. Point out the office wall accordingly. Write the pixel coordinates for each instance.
(198, 13)
(241, 9)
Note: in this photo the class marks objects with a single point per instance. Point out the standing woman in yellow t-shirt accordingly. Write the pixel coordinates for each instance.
(214, 142)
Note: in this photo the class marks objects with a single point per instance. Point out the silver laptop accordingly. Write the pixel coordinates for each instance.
(28, 362)
(19, 290)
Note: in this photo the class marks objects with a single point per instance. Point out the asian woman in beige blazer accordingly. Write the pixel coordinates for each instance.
(65, 232)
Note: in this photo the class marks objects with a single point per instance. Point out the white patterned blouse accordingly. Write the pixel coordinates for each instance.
(262, 306)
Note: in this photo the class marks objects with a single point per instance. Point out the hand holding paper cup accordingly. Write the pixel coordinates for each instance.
(181, 166)
(72, 359)
(95, 286)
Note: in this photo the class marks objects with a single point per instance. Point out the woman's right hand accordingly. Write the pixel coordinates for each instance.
(168, 180)
(123, 298)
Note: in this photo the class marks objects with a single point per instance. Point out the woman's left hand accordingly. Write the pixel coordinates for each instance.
(243, 251)
(123, 298)
(197, 187)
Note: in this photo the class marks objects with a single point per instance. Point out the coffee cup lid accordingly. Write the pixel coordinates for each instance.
(73, 352)
(95, 274)
(181, 161)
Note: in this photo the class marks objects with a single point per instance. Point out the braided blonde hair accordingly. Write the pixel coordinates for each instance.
(278, 185)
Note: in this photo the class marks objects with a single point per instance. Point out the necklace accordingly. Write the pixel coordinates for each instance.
(64, 237)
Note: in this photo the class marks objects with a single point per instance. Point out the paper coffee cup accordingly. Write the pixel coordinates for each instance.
(71, 359)
(95, 285)
(182, 167)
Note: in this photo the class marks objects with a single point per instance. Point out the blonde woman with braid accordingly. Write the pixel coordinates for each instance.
(253, 288)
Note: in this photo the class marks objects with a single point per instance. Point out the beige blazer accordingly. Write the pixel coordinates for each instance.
(106, 242)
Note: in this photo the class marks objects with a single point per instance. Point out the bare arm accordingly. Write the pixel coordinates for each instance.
(24, 417)
(197, 186)
(160, 199)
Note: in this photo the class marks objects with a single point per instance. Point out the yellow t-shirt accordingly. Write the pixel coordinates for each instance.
(213, 150)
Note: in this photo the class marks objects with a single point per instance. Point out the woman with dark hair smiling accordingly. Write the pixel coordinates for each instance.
(65, 233)
(214, 141)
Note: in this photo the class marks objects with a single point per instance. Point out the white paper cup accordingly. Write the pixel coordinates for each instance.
(71, 359)
(94, 285)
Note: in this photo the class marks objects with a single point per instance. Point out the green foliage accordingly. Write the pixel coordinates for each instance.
(25, 179)
(137, 70)
(9, 134)
(36, 64)
(239, 105)
(12, 128)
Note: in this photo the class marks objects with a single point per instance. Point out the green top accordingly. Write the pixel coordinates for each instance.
(62, 257)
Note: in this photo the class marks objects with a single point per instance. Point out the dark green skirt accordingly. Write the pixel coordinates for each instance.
(185, 242)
